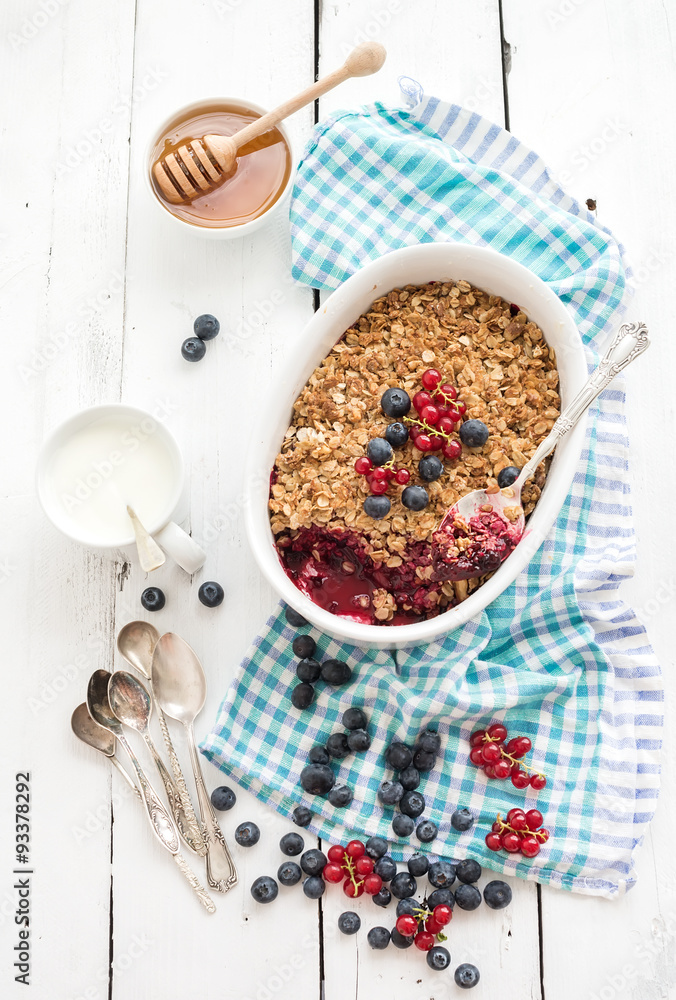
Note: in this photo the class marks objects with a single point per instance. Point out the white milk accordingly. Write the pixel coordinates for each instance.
(99, 469)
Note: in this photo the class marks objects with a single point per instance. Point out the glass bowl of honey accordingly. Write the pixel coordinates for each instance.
(246, 199)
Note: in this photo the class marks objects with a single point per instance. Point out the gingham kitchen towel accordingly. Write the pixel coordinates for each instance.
(558, 656)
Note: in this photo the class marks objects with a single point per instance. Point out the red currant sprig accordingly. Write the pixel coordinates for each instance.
(352, 866)
(438, 412)
(503, 760)
(380, 476)
(520, 833)
(424, 925)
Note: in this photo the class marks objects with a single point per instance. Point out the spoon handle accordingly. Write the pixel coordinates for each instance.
(190, 829)
(630, 341)
(158, 817)
(201, 893)
(172, 792)
(125, 774)
(221, 871)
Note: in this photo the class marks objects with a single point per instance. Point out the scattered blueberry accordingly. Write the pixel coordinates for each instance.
(340, 795)
(430, 741)
(466, 976)
(403, 885)
(407, 905)
(336, 672)
(430, 468)
(291, 844)
(418, 864)
(462, 820)
(438, 958)
(206, 327)
(508, 476)
(211, 594)
(403, 825)
(193, 349)
(313, 887)
(426, 831)
(308, 670)
(497, 894)
(337, 746)
(247, 834)
(395, 402)
(379, 451)
(153, 599)
(409, 778)
(412, 804)
(355, 718)
(293, 618)
(390, 792)
(385, 867)
(424, 760)
(415, 497)
(398, 756)
(319, 754)
(304, 646)
(377, 507)
(223, 798)
(317, 779)
(313, 861)
(441, 874)
(467, 897)
(399, 941)
(383, 898)
(468, 870)
(302, 695)
(473, 433)
(378, 938)
(264, 889)
(358, 740)
(396, 434)
(376, 847)
(444, 896)
(349, 922)
(289, 873)
(301, 816)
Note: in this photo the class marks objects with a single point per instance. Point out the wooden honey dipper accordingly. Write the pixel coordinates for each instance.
(201, 165)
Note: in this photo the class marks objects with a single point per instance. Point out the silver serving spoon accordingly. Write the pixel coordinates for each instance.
(630, 341)
(98, 738)
(136, 642)
(181, 689)
(161, 822)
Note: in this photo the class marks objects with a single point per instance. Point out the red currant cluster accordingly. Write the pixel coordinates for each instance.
(520, 833)
(354, 868)
(439, 412)
(500, 759)
(424, 925)
(379, 477)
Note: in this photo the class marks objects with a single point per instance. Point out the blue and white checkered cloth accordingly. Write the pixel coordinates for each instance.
(558, 656)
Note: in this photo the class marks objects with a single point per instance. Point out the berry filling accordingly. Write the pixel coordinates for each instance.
(465, 549)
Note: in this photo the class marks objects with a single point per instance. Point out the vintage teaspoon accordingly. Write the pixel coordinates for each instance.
(98, 738)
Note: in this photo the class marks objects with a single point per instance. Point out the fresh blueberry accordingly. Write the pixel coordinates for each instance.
(467, 897)
(304, 646)
(379, 451)
(355, 718)
(383, 898)
(223, 798)
(153, 599)
(395, 402)
(293, 618)
(378, 938)
(441, 874)
(211, 594)
(206, 327)
(247, 834)
(403, 885)
(319, 754)
(336, 672)
(426, 831)
(473, 433)
(313, 887)
(430, 741)
(376, 847)
(340, 795)
(418, 864)
(337, 746)
(430, 468)
(317, 779)
(412, 804)
(289, 873)
(385, 867)
(497, 894)
(308, 670)
(193, 349)
(408, 905)
(390, 792)
(399, 941)
(302, 695)
(301, 816)
(415, 497)
(424, 760)
(466, 976)
(468, 871)
(291, 844)
(313, 861)
(349, 922)
(462, 820)
(409, 778)
(444, 896)
(508, 476)
(377, 507)
(264, 889)
(358, 740)
(398, 756)
(403, 825)
(438, 958)
(396, 434)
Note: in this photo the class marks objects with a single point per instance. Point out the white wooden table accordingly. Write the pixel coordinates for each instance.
(97, 295)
